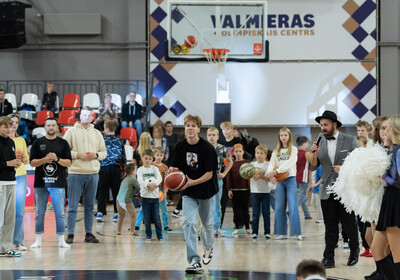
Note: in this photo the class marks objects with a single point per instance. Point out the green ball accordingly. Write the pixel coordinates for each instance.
(247, 171)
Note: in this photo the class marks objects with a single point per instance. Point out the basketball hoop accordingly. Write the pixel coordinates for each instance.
(217, 59)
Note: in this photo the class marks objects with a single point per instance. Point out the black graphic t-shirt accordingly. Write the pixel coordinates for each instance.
(50, 175)
(195, 161)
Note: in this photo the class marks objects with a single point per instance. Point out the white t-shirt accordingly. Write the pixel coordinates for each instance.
(260, 186)
(146, 176)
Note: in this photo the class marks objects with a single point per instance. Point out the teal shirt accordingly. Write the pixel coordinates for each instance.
(125, 193)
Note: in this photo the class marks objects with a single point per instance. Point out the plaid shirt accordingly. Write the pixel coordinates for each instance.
(113, 112)
(221, 154)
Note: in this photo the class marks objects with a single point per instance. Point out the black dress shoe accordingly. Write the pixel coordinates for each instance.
(328, 262)
(353, 257)
(376, 275)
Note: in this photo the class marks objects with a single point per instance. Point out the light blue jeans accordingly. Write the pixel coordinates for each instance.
(217, 205)
(20, 197)
(76, 184)
(58, 198)
(286, 193)
(137, 125)
(302, 198)
(164, 214)
(190, 206)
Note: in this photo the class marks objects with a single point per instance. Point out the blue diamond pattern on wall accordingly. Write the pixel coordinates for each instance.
(177, 109)
(159, 14)
(364, 11)
(360, 52)
(176, 15)
(364, 86)
(166, 81)
(159, 109)
(360, 34)
(360, 110)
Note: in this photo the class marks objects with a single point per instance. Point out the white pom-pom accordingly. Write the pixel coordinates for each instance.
(359, 185)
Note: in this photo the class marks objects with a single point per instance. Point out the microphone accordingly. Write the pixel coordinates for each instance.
(318, 140)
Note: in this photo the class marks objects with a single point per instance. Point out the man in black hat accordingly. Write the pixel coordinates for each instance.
(330, 154)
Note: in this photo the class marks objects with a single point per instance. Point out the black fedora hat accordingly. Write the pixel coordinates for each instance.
(329, 115)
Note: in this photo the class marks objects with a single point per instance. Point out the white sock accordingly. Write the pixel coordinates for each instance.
(61, 242)
(38, 241)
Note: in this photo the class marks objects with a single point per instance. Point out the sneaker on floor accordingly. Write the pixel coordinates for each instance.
(319, 221)
(346, 245)
(148, 238)
(99, 217)
(219, 233)
(194, 268)
(207, 256)
(137, 228)
(300, 237)
(268, 236)
(308, 218)
(89, 237)
(281, 237)
(170, 203)
(248, 231)
(235, 232)
(11, 253)
(70, 238)
(115, 218)
(160, 239)
(177, 213)
(167, 229)
(20, 247)
(254, 236)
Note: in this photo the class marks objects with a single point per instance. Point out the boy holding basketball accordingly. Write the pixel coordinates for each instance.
(149, 179)
(159, 155)
(222, 155)
(197, 158)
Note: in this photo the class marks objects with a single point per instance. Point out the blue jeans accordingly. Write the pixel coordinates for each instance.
(217, 205)
(137, 125)
(164, 214)
(286, 193)
(260, 202)
(272, 199)
(58, 198)
(76, 184)
(302, 198)
(190, 207)
(151, 210)
(20, 196)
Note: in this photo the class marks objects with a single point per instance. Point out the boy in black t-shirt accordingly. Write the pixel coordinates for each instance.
(51, 155)
(197, 158)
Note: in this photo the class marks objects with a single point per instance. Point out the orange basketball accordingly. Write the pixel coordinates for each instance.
(190, 41)
(175, 180)
(280, 176)
(160, 196)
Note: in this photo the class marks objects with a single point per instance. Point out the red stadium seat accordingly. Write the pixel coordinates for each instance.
(94, 115)
(129, 133)
(42, 116)
(67, 117)
(71, 101)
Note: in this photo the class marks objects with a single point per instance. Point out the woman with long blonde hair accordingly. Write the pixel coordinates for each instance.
(283, 160)
(144, 144)
(387, 232)
(22, 183)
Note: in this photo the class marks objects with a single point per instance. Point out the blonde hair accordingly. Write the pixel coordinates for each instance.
(159, 129)
(159, 150)
(15, 115)
(362, 139)
(364, 124)
(394, 124)
(144, 142)
(213, 129)
(226, 125)
(195, 119)
(279, 146)
(263, 148)
(5, 121)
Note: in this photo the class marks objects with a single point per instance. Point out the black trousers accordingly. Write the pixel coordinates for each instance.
(109, 177)
(334, 212)
(240, 203)
(362, 229)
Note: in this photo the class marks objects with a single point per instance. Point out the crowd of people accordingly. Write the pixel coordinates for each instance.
(87, 162)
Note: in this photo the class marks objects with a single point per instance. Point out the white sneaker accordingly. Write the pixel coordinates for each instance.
(207, 256)
(63, 245)
(254, 236)
(36, 244)
(299, 237)
(20, 247)
(268, 236)
(319, 221)
(219, 233)
(177, 213)
(235, 232)
(248, 231)
(281, 237)
(346, 245)
(99, 217)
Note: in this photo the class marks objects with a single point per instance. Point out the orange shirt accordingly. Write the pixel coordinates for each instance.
(163, 169)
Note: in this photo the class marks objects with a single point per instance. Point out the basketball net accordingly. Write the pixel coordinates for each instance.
(217, 59)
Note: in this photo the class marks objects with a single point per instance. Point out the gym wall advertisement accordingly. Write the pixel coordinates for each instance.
(321, 56)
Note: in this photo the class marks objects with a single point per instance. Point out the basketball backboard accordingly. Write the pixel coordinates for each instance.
(239, 26)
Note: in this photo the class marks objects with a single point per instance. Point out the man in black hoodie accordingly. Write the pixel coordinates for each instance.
(8, 162)
(132, 113)
(5, 106)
